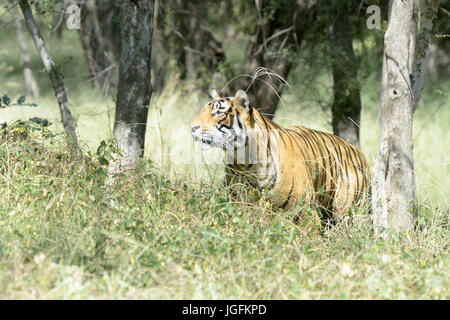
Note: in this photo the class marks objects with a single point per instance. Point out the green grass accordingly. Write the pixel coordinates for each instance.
(170, 231)
(63, 234)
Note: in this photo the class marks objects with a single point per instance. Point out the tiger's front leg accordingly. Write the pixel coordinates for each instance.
(238, 187)
(297, 197)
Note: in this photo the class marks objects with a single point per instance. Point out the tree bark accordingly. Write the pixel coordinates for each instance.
(438, 65)
(134, 87)
(264, 62)
(266, 52)
(55, 77)
(58, 20)
(346, 108)
(428, 9)
(393, 182)
(98, 35)
(196, 50)
(30, 81)
(393, 192)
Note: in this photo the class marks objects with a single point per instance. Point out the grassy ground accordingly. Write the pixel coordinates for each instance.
(170, 231)
(64, 235)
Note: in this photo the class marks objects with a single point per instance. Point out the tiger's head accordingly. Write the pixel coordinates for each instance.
(224, 122)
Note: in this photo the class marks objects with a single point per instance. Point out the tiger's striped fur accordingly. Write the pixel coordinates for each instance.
(292, 163)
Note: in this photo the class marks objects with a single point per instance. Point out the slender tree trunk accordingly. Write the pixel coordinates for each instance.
(99, 45)
(428, 9)
(261, 59)
(108, 16)
(134, 88)
(196, 51)
(58, 20)
(55, 77)
(265, 53)
(30, 81)
(346, 107)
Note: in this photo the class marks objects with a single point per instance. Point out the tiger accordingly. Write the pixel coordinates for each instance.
(290, 164)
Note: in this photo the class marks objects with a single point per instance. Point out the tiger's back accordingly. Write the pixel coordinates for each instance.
(292, 164)
(328, 170)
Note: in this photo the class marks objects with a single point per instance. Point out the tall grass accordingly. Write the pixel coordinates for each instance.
(64, 235)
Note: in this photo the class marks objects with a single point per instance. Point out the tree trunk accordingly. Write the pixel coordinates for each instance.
(393, 183)
(30, 81)
(346, 108)
(393, 192)
(438, 65)
(265, 53)
(55, 77)
(196, 50)
(266, 64)
(98, 35)
(58, 20)
(428, 11)
(134, 87)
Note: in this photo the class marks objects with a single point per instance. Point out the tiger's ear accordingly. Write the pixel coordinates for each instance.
(214, 94)
(241, 95)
